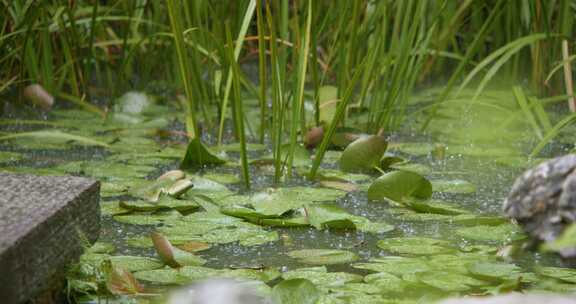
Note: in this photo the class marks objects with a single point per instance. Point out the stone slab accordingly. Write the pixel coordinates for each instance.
(45, 223)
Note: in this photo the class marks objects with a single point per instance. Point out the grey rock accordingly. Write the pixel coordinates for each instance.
(45, 222)
(543, 199)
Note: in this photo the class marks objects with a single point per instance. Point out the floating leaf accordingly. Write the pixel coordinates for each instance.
(193, 246)
(188, 274)
(415, 246)
(398, 185)
(500, 233)
(363, 154)
(395, 265)
(135, 263)
(495, 270)
(453, 186)
(320, 277)
(564, 274)
(329, 216)
(295, 291)
(223, 178)
(447, 281)
(198, 156)
(323, 256)
(55, 135)
(434, 206)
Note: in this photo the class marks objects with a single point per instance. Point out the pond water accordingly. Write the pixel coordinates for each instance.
(429, 254)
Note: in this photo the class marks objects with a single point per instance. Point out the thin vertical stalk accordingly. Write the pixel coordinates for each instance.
(239, 43)
(183, 65)
(262, 70)
(237, 108)
(298, 98)
(568, 76)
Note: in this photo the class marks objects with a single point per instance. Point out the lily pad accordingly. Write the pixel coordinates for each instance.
(395, 265)
(448, 281)
(415, 246)
(434, 206)
(564, 274)
(319, 276)
(495, 270)
(323, 256)
(397, 185)
(329, 216)
(223, 178)
(501, 233)
(363, 154)
(453, 186)
(188, 274)
(295, 291)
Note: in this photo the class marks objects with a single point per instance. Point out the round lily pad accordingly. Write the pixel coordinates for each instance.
(415, 246)
(397, 185)
(323, 256)
(453, 186)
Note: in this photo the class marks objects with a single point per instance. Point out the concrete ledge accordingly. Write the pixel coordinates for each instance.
(44, 224)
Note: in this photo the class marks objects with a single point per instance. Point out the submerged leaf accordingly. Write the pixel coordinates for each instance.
(363, 154)
(398, 185)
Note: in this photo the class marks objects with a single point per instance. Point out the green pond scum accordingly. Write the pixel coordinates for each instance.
(315, 151)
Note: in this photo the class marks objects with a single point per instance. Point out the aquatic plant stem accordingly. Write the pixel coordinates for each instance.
(298, 97)
(568, 76)
(175, 22)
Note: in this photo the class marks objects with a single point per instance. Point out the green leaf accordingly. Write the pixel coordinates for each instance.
(329, 216)
(136, 263)
(295, 291)
(363, 154)
(448, 281)
(320, 277)
(453, 186)
(398, 185)
(198, 156)
(501, 233)
(323, 256)
(395, 265)
(415, 246)
(435, 207)
(55, 135)
(564, 274)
